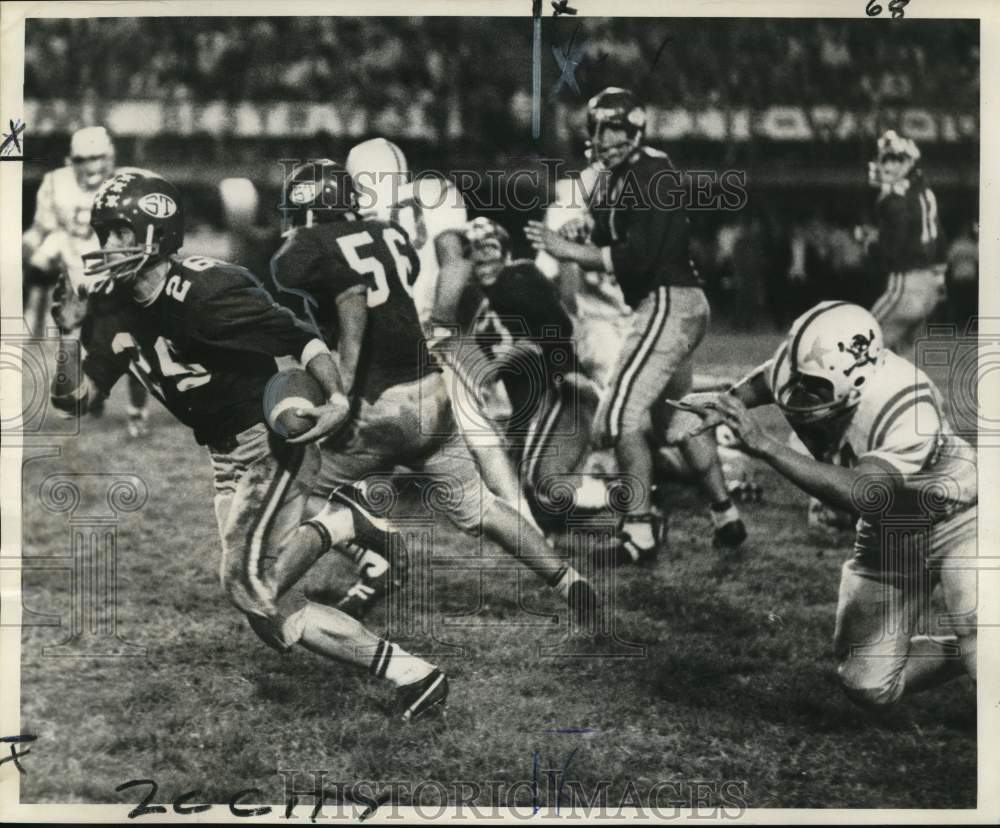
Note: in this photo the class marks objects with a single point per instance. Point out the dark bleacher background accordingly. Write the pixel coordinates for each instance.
(455, 94)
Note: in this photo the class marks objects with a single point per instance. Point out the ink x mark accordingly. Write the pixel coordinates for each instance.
(11, 140)
(13, 741)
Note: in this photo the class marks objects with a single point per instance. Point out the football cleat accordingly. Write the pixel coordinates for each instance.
(422, 697)
(628, 551)
(138, 425)
(730, 535)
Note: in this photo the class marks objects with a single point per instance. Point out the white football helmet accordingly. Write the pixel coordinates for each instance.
(378, 169)
(92, 155)
(829, 360)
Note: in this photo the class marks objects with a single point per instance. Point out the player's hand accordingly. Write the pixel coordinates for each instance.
(69, 305)
(692, 416)
(543, 238)
(753, 439)
(327, 419)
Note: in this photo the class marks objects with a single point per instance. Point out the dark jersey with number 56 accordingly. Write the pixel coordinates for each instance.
(317, 264)
(205, 345)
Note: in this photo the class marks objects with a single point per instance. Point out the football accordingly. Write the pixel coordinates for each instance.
(285, 392)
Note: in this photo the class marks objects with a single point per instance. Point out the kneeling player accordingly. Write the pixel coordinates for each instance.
(204, 336)
(882, 447)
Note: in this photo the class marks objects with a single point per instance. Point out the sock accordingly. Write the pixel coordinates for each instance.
(392, 662)
(592, 493)
(334, 525)
(724, 512)
(641, 532)
(567, 578)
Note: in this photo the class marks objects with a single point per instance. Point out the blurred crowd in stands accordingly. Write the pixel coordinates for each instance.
(761, 266)
(686, 62)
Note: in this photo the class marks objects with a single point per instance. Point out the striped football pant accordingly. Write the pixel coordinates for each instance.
(909, 300)
(262, 485)
(556, 441)
(655, 362)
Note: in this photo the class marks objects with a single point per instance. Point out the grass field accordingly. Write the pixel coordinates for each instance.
(736, 683)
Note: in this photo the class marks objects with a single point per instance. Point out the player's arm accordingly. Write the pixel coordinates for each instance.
(751, 391)
(754, 390)
(833, 484)
(45, 220)
(79, 385)
(44, 223)
(352, 319)
(586, 255)
(454, 271)
(241, 316)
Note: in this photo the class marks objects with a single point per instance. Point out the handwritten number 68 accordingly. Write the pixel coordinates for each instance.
(873, 9)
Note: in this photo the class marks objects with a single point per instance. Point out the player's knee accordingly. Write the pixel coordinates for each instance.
(473, 512)
(863, 691)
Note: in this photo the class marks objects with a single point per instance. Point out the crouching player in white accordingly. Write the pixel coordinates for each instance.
(881, 447)
(204, 336)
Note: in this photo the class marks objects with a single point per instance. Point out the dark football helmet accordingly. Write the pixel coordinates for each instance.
(314, 192)
(150, 206)
(618, 110)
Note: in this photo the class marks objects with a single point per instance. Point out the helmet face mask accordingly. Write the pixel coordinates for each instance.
(806, 400)
(92, 170)
(120, 258)
(616, 125)
(613, 143)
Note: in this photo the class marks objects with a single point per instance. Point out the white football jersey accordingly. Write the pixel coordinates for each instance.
(604, 299)
(424, 209)
(900, 421)
(61, 232)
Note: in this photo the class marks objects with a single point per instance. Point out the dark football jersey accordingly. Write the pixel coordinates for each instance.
(316, 264)
(909, 234)
(521, 305)
(640, 215)
(205, 346)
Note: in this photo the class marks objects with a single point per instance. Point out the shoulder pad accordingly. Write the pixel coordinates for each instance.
(210, 272)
